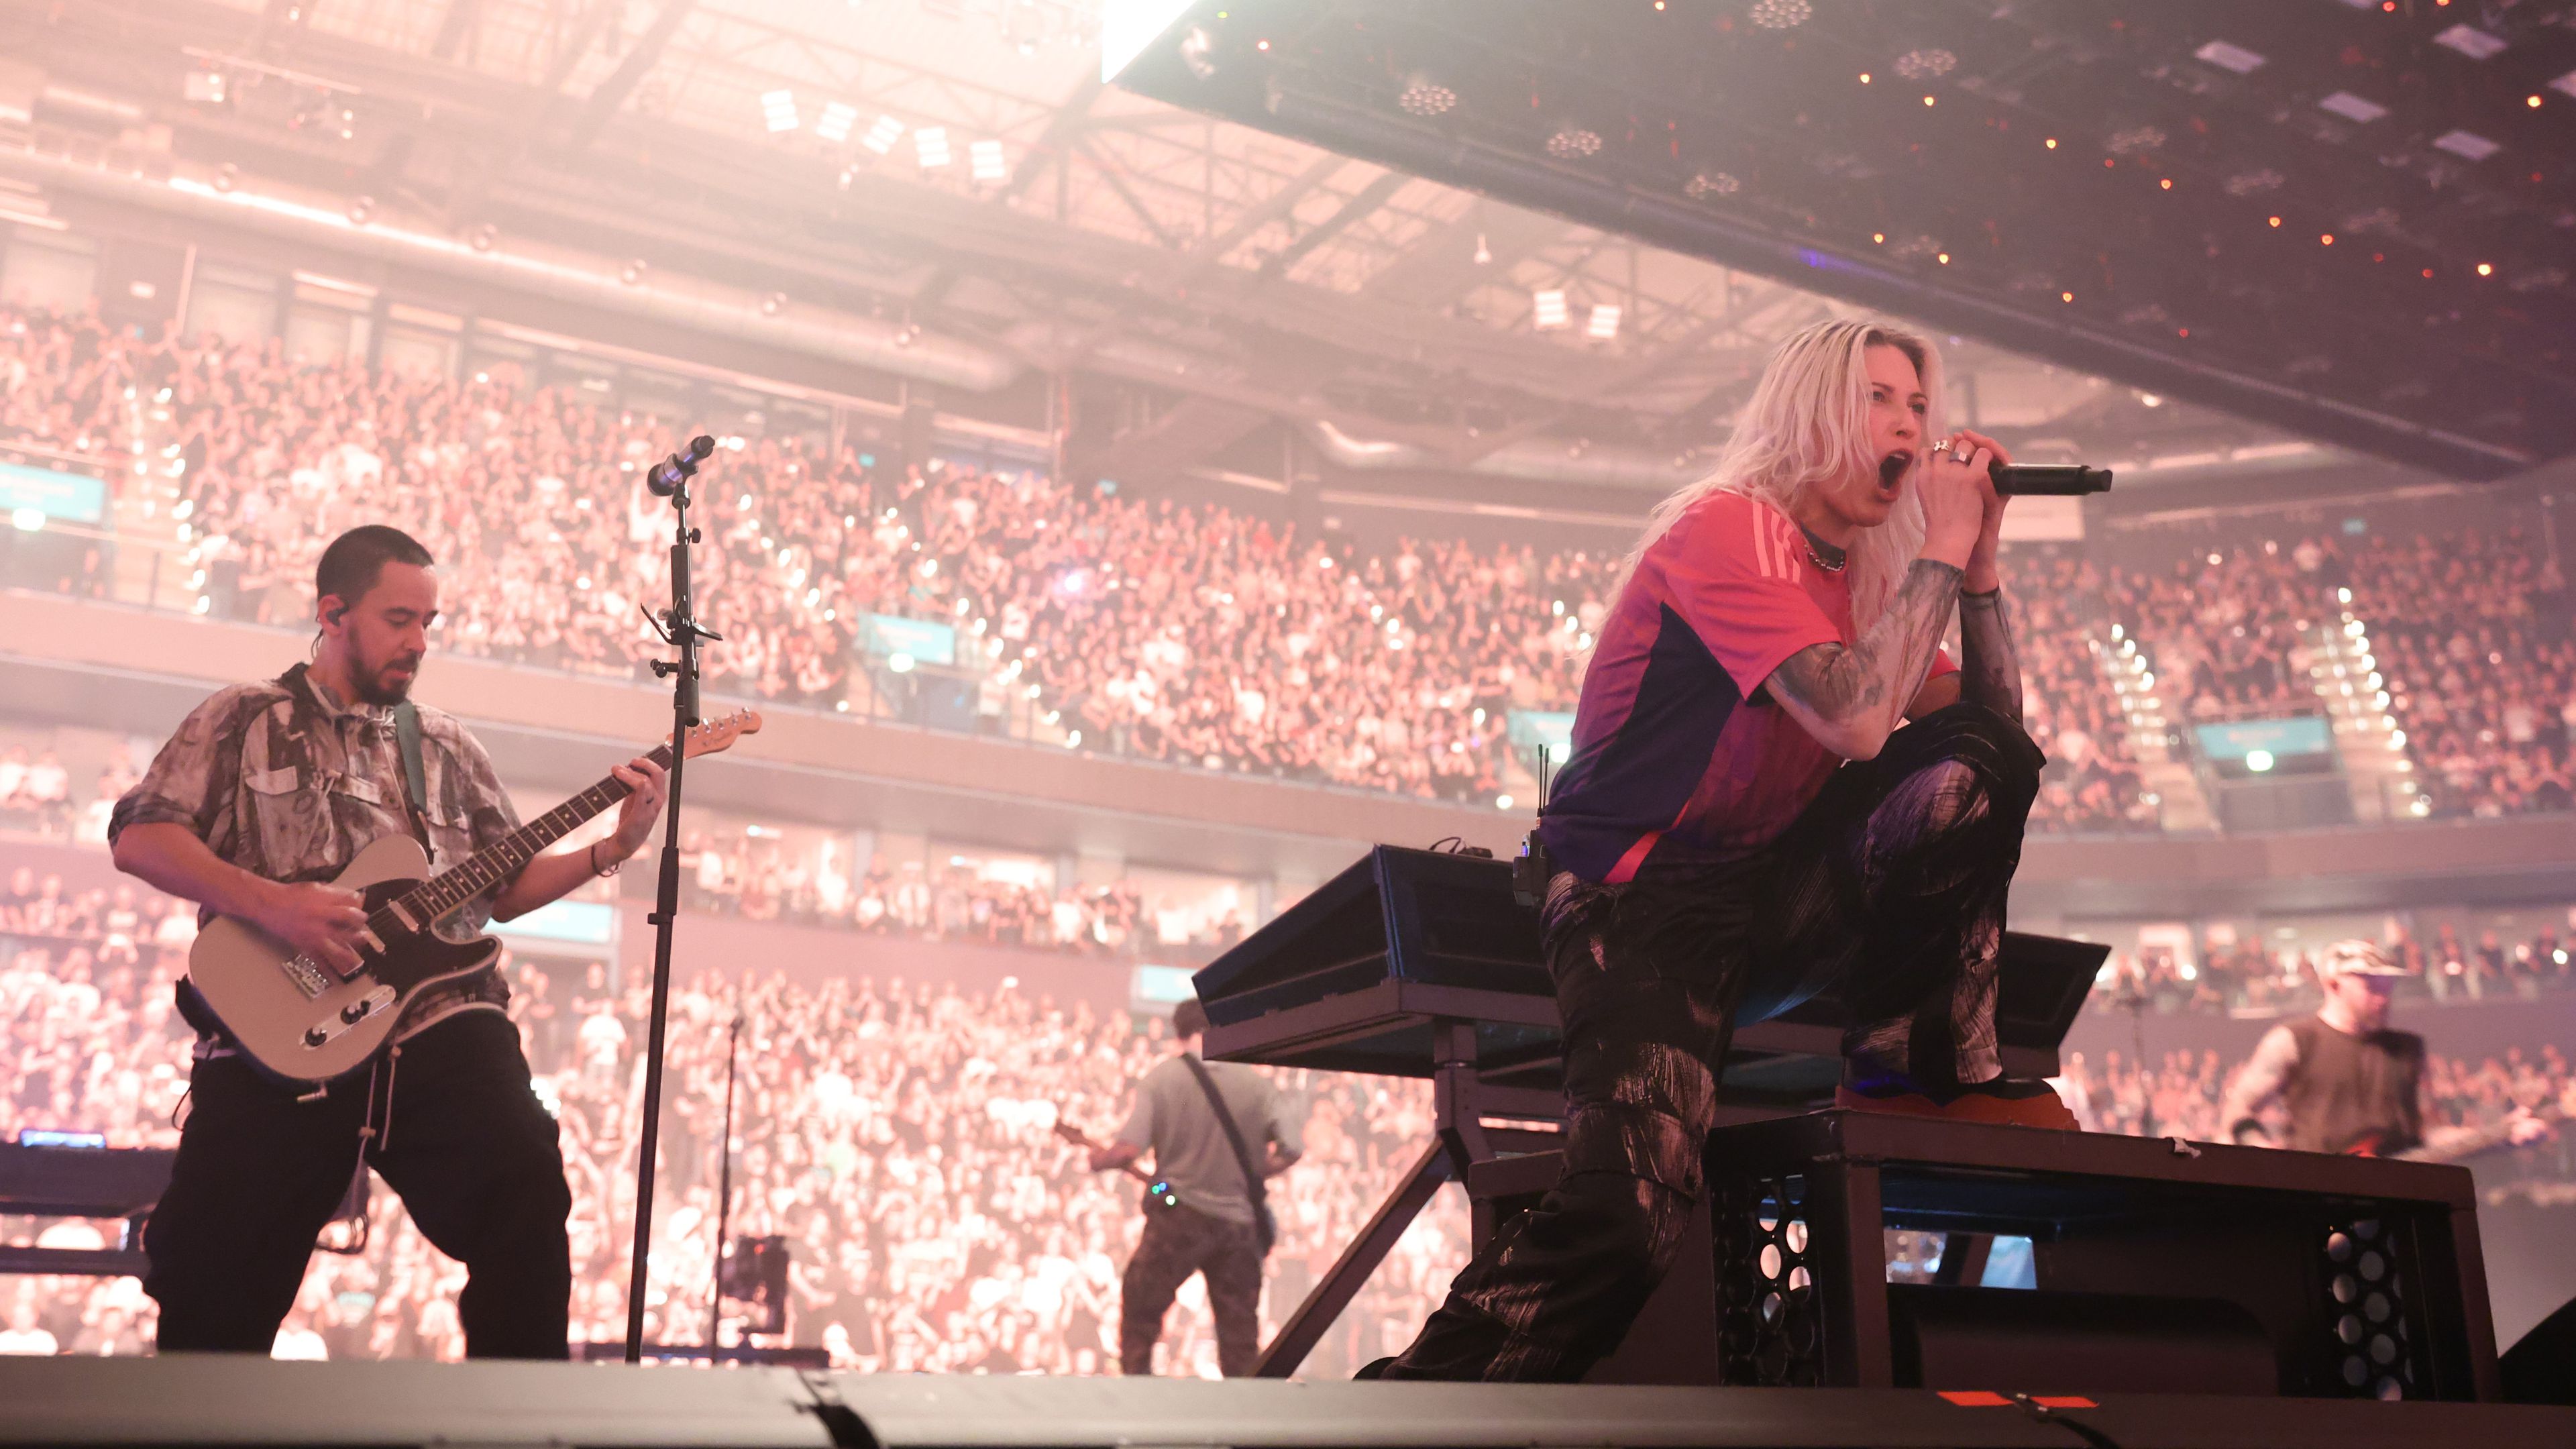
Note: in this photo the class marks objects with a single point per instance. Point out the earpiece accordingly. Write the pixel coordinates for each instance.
(339, 613)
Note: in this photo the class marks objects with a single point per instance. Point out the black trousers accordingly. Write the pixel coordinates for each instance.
(1888, 891)
(465, 1142)
(1177, 1243)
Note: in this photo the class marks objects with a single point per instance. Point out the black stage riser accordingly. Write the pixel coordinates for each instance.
(210, 1400)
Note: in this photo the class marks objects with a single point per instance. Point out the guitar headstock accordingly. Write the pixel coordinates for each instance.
(1072, 1134)
(718, 735)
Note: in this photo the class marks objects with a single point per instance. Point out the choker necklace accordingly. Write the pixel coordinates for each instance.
(1824, 555)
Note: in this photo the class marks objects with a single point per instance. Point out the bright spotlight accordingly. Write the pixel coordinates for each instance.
(778, 110)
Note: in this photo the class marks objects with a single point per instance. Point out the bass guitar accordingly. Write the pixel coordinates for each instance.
(2461, 1143)
(303, 1023)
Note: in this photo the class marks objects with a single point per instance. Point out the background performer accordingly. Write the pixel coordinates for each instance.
(1214, 1229)
(2346, 1082)
(1744, 824)
(262, 796)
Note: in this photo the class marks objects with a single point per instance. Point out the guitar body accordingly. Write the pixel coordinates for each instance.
(298, 1021)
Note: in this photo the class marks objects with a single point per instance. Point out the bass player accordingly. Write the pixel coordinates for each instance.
(257, 801)
(2346, 1082)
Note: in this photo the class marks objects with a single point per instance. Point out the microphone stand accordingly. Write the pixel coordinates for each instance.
(679, 628)
(724, 1192)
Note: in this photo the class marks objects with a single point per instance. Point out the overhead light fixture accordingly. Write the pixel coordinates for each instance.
(930, 143)
(2470, 41)
(227, 176)
(2565, 85)
(633, 272)
(1780, 14)
(2352, 107)
(1573, 142)
(2230, 57)
(778, 109)
(2467, 144)
(1484, 254)
(1423, 96)
(1604, 325)
(1706, 184)
(361, 209)
(837, 119)
(882, 136)
(484, 236)
(1925, 64)
(984, 158)
(1547, 309)
(773, 304)
(204, 87)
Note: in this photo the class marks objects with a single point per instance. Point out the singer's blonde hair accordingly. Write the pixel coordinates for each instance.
(1806, 425)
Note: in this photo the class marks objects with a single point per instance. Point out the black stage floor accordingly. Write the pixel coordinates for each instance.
(191, 1400)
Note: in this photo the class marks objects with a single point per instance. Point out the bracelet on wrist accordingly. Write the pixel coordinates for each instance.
(614, 866)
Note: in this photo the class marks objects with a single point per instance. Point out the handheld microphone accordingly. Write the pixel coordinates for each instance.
(2049, 480)
(668, 475)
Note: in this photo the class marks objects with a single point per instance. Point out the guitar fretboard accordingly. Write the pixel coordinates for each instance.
(442, 893)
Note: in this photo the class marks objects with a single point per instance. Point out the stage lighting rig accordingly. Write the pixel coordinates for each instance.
(1571, 142)
(1780, 14)
(1426, 97)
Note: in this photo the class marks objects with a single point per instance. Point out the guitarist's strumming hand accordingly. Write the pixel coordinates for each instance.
(646, 782)
(322, 922)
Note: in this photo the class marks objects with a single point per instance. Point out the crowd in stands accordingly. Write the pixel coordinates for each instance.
(952, 902)
(897, 1135)
(2091, 782)
(2228, 628)
(2470, 630)
(2244, 975)
(1192, 633)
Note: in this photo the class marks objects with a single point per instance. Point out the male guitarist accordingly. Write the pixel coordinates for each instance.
(2345, 1081)
(263, 795)
(1213, 1228)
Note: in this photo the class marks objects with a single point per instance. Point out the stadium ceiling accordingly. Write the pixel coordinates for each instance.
(2348, 218)
(960, 163)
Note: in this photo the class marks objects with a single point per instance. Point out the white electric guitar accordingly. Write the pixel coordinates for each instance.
(301, 1021)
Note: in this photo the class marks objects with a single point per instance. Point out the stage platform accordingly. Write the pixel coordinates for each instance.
(212, 1400)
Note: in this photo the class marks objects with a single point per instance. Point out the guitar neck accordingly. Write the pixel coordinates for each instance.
(2470, 1144)
(435, 898)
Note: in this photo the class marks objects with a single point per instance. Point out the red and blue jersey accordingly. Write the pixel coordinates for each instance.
(1679, 754)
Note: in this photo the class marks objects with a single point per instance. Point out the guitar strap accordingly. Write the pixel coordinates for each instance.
(415, 776)
(1265, 1228)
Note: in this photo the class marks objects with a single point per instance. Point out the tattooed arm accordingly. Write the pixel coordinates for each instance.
(2257, 1086)
(1850, 699)
(1989, 672)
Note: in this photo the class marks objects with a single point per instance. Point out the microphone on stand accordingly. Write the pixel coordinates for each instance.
(677, 469)
(2049, 480)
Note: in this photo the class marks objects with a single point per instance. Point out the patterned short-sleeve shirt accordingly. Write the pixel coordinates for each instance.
(284, 781)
